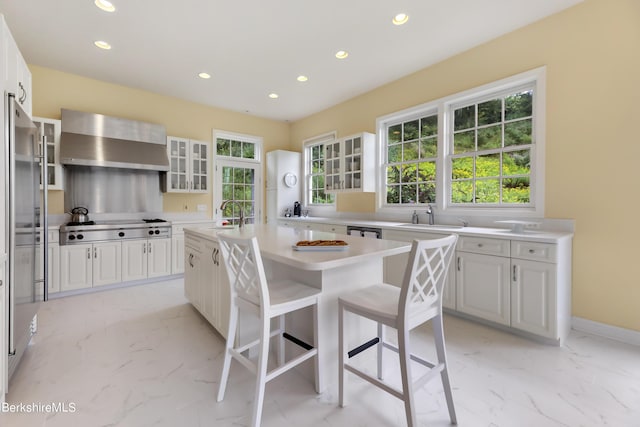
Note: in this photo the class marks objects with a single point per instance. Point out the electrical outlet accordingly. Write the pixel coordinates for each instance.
(532, 226)
(202, 208)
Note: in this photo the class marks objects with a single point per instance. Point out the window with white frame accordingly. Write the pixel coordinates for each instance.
(314, 170)
(491, 141)
(238, 176)
(411, 154)
(482, 148)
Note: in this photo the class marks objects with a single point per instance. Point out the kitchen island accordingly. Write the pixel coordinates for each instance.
(334, 272)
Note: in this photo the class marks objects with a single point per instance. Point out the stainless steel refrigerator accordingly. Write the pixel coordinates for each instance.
(22, 205)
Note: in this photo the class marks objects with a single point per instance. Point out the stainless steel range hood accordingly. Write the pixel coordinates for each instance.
(96, 140)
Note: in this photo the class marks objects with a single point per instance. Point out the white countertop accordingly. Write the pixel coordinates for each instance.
(493, 232)
(276, 243)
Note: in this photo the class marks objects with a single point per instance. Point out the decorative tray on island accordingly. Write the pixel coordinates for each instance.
(320, 245)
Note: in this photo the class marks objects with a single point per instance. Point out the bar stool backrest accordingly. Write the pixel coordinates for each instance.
(245, 269)
(424, 279)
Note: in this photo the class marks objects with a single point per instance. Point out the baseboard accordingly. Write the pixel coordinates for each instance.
(607, 331)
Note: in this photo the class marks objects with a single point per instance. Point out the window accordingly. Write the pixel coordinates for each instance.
(491, 149)
(238, 176)
(314, 169)
(480, 151)
(236, 147)
(411, 154)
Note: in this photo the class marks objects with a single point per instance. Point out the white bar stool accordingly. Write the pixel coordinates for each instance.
(416, 302)
(251, 293)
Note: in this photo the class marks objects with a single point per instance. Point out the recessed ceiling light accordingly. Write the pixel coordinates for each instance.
(204, 75)
(102, 44)
(400, 19)
(342, 54)
(105, 5)
(273, 95)
(302, 78)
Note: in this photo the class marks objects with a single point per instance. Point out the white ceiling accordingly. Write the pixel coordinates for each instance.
(255, 47)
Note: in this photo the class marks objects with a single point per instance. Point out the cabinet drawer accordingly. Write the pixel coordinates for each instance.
(482, 245)
(545, 252)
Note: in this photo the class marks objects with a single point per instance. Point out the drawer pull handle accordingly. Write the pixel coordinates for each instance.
(515, 273)
(479, 245)
(532, 251)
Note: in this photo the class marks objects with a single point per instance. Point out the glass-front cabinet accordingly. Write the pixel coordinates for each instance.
(51, 130)
(189, 165)
(349, 164)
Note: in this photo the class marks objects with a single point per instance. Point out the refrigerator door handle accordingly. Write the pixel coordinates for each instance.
(44, 221)
(10, 226)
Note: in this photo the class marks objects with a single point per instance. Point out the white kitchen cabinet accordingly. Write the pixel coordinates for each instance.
(18, 76)
(189, 166)
(177, 254)
(51, 129)
(214, 288)
(483, 286)
(84, 266)
(206, 282)
(145, 258)
(159, 257)
(76, 267)
(534, 293)
(192, 272)
(107, 263)
(350, 164)
(395, 266)
(177, 243)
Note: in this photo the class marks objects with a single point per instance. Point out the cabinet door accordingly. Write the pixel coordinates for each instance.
(177, 254)
(159, 257)
(107, 263)
(352, 174)
(209, 282)
(199, 167)
(533, 297)
(24, 84)
(192, 277)
(76, 267)
(178, 175)
(223, 298)
(483, 286)
(332, 166)
(51, 130)
(134, 260)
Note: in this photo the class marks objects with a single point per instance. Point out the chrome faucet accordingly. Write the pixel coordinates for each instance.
(430, 214)
(224, 205)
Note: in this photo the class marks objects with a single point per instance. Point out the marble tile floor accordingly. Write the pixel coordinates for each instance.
(143, 356)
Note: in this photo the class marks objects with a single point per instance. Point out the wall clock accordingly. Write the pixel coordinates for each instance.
(290, 179)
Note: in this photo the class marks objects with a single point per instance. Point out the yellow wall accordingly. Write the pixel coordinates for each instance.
(53, 90)
(592, 149)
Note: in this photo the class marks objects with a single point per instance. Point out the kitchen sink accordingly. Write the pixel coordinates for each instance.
(432, 226)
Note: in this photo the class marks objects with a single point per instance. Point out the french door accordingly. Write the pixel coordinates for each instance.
(240, 181)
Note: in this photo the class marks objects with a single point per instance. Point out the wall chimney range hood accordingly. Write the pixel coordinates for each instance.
(96, 140)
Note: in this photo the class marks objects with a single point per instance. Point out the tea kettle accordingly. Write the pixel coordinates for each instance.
(79, 214)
